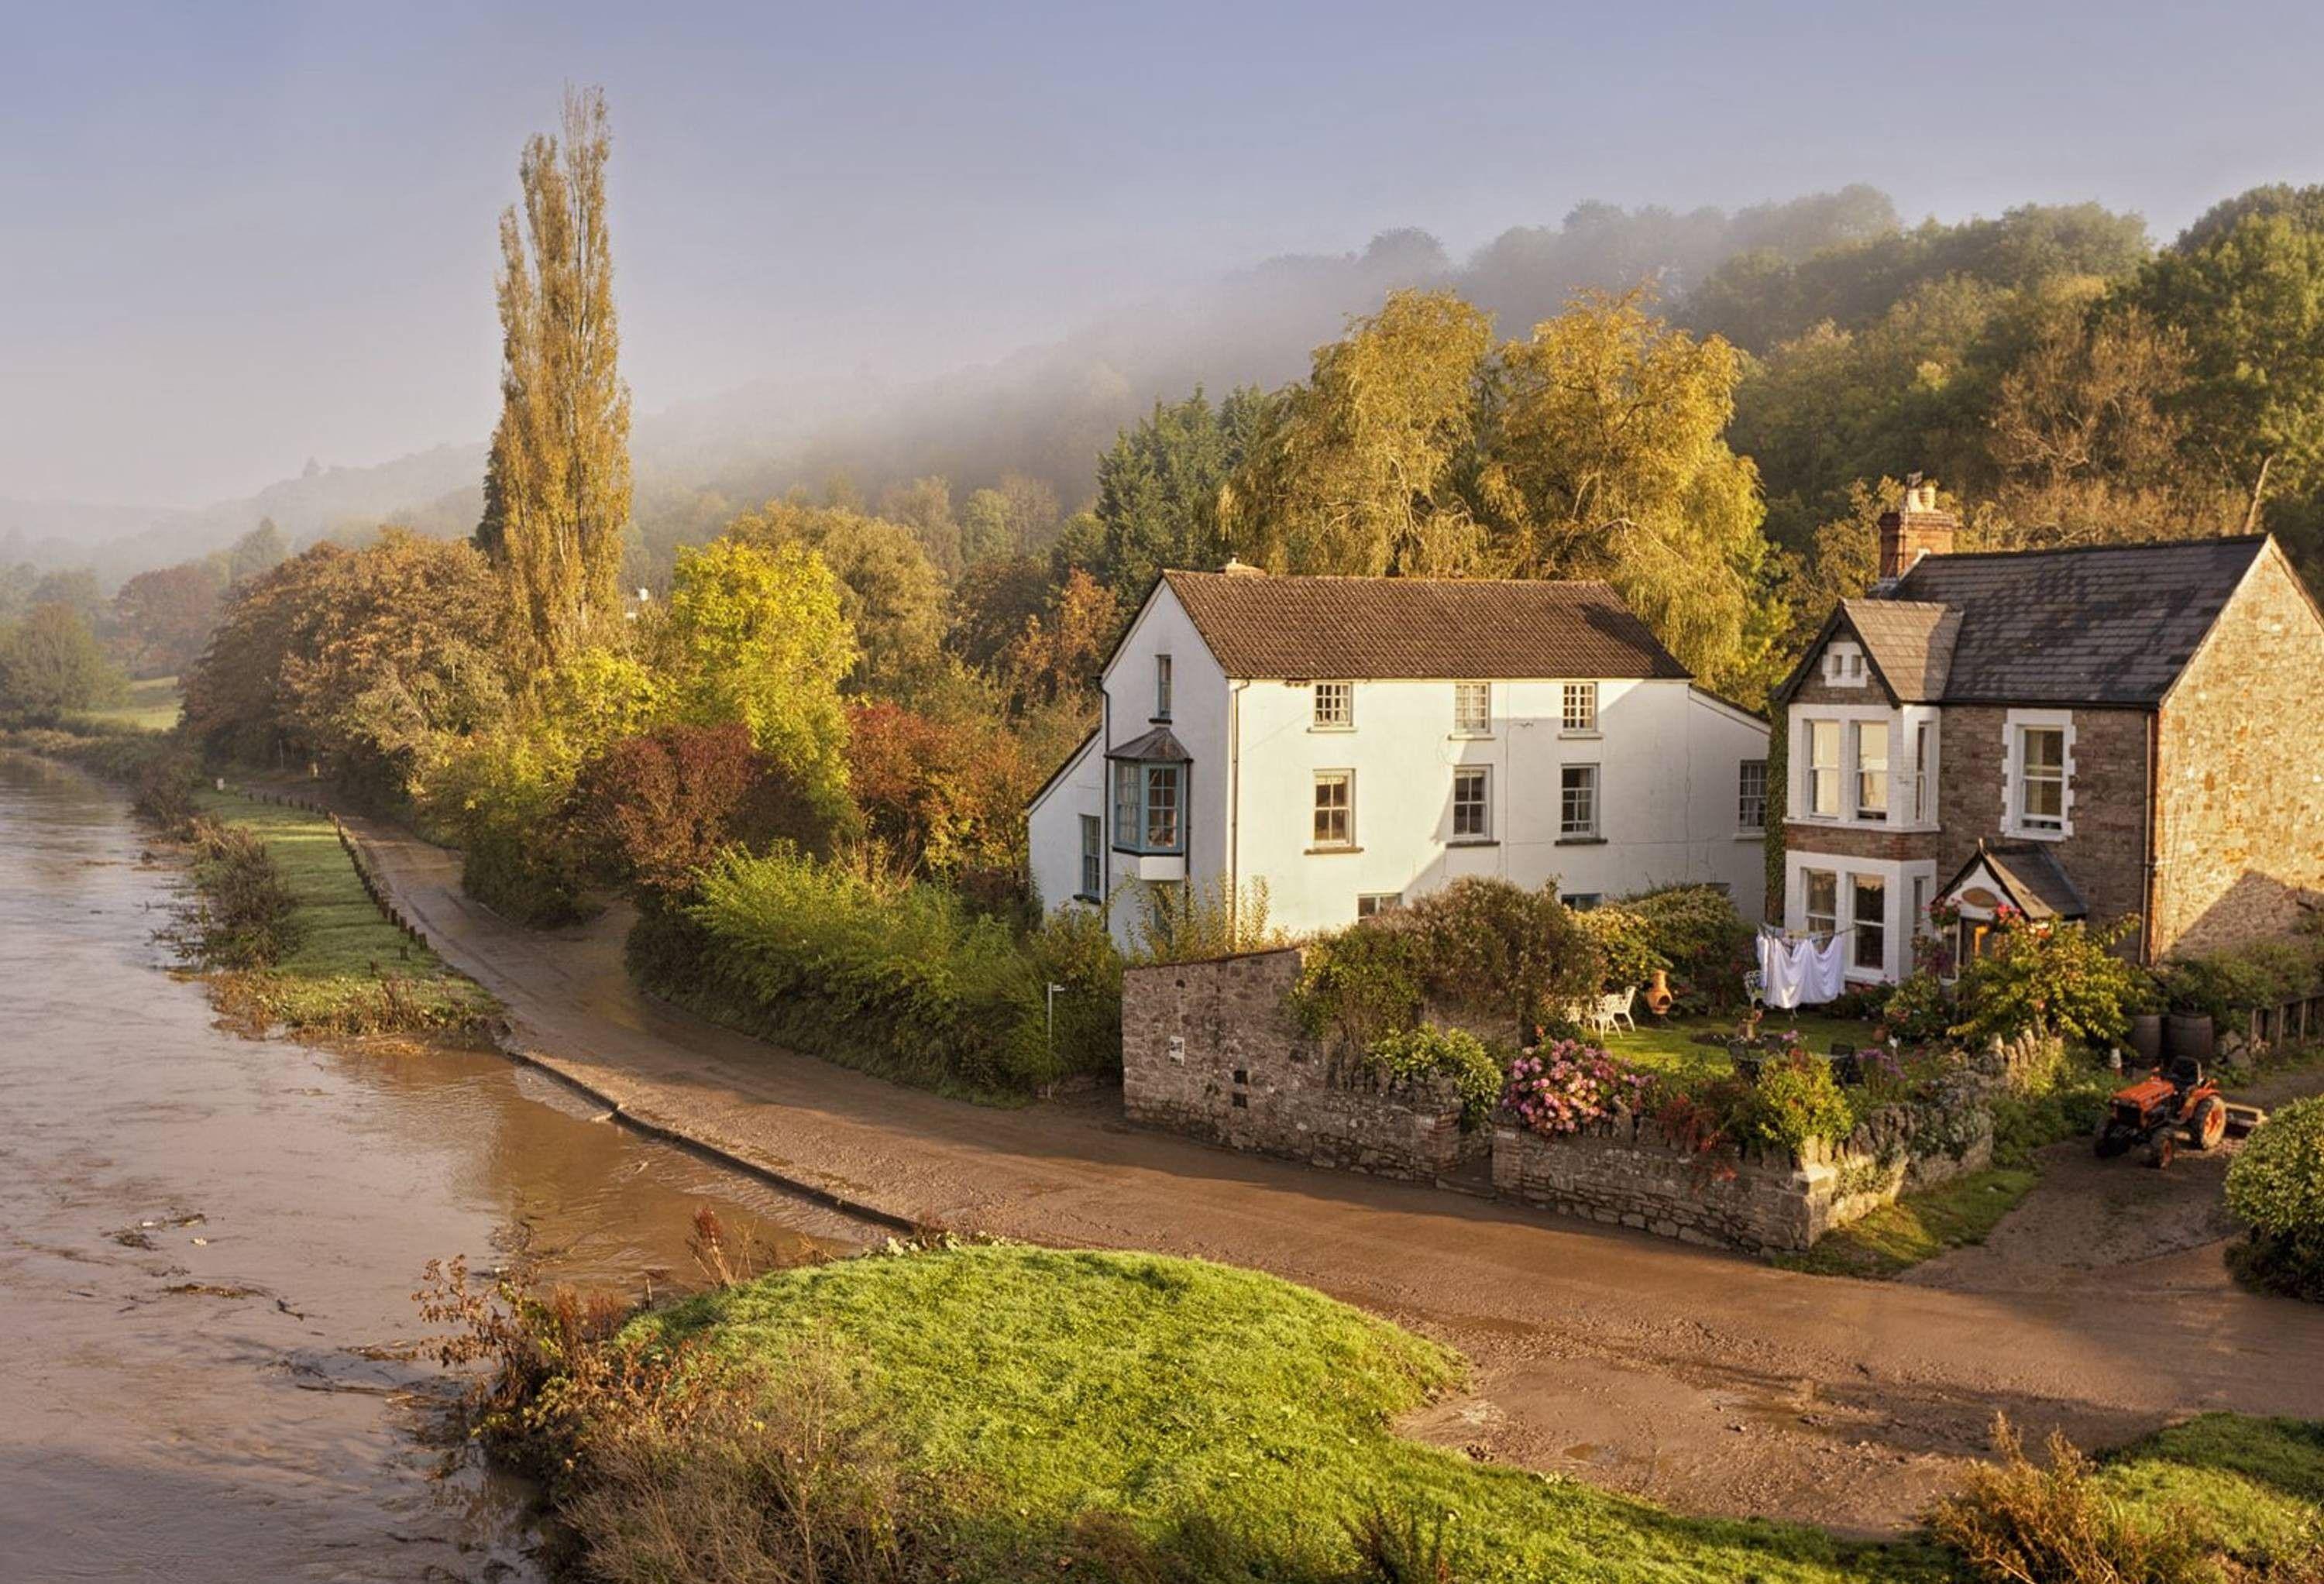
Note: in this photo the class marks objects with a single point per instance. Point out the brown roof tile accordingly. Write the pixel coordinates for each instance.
(1365, 627)
(1911, 642)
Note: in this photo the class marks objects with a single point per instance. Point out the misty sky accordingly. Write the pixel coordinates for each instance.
(238, 235)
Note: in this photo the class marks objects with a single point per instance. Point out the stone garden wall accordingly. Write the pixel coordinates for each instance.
(1210, 1049)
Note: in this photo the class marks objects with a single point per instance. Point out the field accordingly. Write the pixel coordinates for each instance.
(152, 705)
(352, 970)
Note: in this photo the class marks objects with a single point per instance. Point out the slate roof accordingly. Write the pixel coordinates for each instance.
(2111, 624)
(1364, 629)
(1909, 641)
(2029, 873)
(1157, 747)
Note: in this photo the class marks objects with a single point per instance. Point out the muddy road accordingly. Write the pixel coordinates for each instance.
(209, 1244)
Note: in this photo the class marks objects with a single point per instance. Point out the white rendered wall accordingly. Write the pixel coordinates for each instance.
(1053, 835)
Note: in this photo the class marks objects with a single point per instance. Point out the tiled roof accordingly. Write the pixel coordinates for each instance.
(1910, 640)
(1157, 747)
(1366, 628)
(2029, 873)
(2111, 624)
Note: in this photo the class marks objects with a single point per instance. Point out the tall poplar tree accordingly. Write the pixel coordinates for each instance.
(556, 485)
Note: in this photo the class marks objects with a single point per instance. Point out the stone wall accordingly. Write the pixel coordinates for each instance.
(2241, 842)
(1623, 1171)
(1210, 1049)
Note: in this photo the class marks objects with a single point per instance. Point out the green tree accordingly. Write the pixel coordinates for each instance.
(1357, 473)
(1158, 487)
(758, 635)
(925, 506)
(259, 550)
(1606, 457)
(50, 664)
(891, 593)
(557, 482)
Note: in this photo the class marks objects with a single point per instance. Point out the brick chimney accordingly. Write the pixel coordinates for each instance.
(1917, 529)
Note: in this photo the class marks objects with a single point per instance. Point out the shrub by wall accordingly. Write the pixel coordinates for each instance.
(2276, 1187)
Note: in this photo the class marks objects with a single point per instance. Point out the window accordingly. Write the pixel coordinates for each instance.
(1824, 768)
(1581, 714)
(1870, 917)
(1919, 924)
(1146, 806)
(1820, 890)
(1092, 858)
(1373, 903)
(1924, 782)
(1843, 665)
(1335, 810)
(1584, 901)
(1161, 687)
(1335, 706)
(1751, 796)
(1872, 769)
(1472, 709)
(2042, 777)
(1473, 818)
(1577, 808)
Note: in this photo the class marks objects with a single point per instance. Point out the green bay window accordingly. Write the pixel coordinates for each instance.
(1149, 795)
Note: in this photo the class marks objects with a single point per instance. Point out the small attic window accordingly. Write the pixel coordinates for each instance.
(1843, 664)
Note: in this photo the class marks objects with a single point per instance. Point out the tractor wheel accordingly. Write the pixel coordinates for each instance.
(2161, 1147)
(2110, 1141)
(2209, 1124)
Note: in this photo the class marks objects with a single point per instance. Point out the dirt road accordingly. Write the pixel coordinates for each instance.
(1710, 1382)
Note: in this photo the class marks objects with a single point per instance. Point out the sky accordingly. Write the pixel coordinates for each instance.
(240, 236)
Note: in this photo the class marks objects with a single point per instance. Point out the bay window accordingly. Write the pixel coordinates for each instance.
(1147, 803)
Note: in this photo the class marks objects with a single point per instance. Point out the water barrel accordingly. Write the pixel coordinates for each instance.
(2147, 1040)
(2190, 1035)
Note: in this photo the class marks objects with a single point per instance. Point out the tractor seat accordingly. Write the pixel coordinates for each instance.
(2185, 1072)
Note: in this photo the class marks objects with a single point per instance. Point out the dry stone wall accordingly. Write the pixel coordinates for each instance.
(1210, 1049)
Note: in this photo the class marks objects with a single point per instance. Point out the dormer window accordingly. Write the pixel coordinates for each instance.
(1843, 664)
(1161, 687)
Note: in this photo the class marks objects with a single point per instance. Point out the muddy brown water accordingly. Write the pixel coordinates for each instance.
(213, 1367)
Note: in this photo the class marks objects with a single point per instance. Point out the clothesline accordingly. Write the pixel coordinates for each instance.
(1794, 972)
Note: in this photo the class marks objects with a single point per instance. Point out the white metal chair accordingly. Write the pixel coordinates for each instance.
(1614, 1009)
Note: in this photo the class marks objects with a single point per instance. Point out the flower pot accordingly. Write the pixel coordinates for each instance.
(2190, 1035)
(1658, 994)
(2146, 1038)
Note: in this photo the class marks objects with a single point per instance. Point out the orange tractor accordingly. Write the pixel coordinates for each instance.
(2169, 1106)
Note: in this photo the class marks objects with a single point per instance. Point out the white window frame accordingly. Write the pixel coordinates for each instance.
(1877, 929)
(1815, 770)
(1746, 797)
(1858, 806)
(1162, 687)
(1472, 709)
(1346, 842)
(1372, 904)
(1093, 865)
(1577, 710)
(1808, 915)
(1567, 831)
(1481, 806)
(2015, 725)
(1843, 664)
(1342, 717)
(1904, 883)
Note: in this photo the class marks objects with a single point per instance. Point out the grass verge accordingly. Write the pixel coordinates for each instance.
(349, 971)
(1918, 1226)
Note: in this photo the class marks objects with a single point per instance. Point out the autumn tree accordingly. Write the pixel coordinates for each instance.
(1057, 654)
(925, 506)
(50, 664)
(557, 482)
(163, 617)
(758, 635)
(1606, 457)
(892, 595)
(1357, 472)
(651, 810)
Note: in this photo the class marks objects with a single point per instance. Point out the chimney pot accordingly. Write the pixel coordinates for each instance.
(1918, 529)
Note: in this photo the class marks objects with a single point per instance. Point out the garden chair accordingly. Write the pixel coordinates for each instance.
(1754, 987)
(1614, 1009)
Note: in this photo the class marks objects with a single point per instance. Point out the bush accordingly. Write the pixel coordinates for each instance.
(1706, 942)
(1482, 946)
(1626, 941)
(248, 916)
(1202, 920)
(1795, 1100)
(1920, 1010)
(2062, 979)
(2276, 1186)
(1563, 1086)
(1072, 948)
(900, 978)
(651, 810)
(2015, 1522)
(2229, 984)
(1452, 1053)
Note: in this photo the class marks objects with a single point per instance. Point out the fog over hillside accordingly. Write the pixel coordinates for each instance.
(1045, 411)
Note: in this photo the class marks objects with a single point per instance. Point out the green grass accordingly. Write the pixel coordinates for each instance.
(2254, 1487)
(1919, 1226)
(152, 705)
(352, 970)
(1050, 1384)
(1670, 1046)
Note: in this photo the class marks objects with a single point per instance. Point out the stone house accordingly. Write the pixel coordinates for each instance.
(2091, 733)
(1356, 741)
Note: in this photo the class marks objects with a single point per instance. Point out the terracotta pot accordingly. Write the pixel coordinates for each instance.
(1658, 996)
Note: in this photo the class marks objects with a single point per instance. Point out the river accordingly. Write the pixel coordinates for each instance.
(208, 1245)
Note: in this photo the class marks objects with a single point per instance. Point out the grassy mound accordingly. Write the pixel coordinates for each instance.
(1038, 1387)
(350, 970)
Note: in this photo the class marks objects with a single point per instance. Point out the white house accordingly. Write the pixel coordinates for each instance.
(1356, 741)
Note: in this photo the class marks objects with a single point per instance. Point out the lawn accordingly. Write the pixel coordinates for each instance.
(152, 705)
(1050, 1384)
(2250, 1487)
(1919, 1226)
(1669, 1046)
(352, 969)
